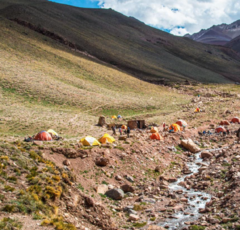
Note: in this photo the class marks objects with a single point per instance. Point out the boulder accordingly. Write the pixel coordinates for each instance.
(89, 201)
(155, 227)
(102, 188)
(206, 154)
(39, 143)
(102, 161)
(66, 162)
(127, 188)
(190, 145)
(183, 184)
(133, 217)
(117, 177)
(158, 169)
(172, 179)
(115, 194)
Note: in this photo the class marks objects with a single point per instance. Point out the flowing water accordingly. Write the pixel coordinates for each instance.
(195, 200)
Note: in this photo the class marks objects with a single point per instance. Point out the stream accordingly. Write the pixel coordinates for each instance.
(195, 200)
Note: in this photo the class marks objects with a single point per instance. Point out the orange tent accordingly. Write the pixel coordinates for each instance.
(43, 136)
(220, 129)
(124, 127)
(156, 136)
(224, 123)
(235, 120)
(181, 123)
(154, 130)
(174, 127)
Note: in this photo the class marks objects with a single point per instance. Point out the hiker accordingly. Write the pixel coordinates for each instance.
(164, 126)
(128, 132)
(120, 131)
(238, 135)
(114, 129)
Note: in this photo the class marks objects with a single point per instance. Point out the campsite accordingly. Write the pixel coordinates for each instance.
(112, 124)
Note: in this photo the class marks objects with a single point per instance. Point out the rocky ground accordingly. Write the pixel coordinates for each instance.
(125, 185)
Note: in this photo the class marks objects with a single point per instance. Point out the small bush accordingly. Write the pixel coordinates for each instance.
(9, 224)
(197, 227)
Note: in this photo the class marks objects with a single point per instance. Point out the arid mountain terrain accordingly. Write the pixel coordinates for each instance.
(217, 35)
(61, 68)
(125, 43)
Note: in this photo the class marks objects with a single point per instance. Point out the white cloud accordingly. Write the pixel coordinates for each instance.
(179, 16)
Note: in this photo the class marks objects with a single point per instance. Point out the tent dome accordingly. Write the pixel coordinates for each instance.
(89, 141)
(106, 138)
(43, 136)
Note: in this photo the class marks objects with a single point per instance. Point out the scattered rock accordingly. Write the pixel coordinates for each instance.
(115, 194)
(118, 178)
(155, 227)
(190, 145)
(206, 154)
(66, 162)
(127, 188)
(133, 217)
(102, 188)
(102, 161)
(39, 143)
(129, 178)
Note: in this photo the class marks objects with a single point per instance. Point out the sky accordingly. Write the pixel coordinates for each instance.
(178, 17)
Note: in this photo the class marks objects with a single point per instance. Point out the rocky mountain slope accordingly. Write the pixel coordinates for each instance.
(217, 35)
(125, 43)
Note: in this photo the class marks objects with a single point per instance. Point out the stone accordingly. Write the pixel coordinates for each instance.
(115, 194)
(127, 188)
(185, 200)
(155, 227)
(190, 145)
(39, 143)
(171, 180)
(102, 161)
(158, 169)
(125, 209)
(66, 162)
(206, 154)
(133, 217)
(89, 201)
(117, 177)
(103, 188)
(183, 184)
(129, 178)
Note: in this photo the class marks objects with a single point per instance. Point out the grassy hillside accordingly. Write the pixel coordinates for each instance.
(44, 84)
(125, 42)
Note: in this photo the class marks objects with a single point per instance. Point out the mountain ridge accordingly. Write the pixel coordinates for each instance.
(217, 34)
(126, 43)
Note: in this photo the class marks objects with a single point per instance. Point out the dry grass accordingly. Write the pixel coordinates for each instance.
(45, 85)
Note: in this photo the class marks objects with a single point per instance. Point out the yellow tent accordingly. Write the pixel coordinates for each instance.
(106, 138)
(89, 141)
(174, 128)
(197, 110)
(114, 117)
(51, 131)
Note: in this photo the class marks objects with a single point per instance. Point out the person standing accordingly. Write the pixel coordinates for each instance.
(114, 129)
(238, 135)
(128, 132)
(120, 131)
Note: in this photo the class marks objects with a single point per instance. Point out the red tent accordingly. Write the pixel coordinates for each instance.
(235, 120)
(224, 122)
(43, 136)
(156, 136)
(220, 129)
